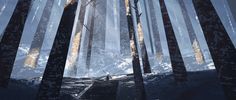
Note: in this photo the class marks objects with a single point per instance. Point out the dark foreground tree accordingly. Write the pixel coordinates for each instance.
(221, 47)
(177, 62)
(11, 39)
(138, 79)
(52, 79)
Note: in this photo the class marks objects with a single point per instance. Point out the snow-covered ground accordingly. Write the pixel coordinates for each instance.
(202, 85)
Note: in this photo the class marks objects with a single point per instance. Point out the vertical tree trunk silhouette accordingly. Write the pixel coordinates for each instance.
(145, 60)
(11, 39)
(221, 47)
(138, 79)
(193, 38)
(177, 62)
(33, 56)
(51, 83)
(144, 55)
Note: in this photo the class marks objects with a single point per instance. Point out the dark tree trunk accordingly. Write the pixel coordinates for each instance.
(221, 47)
(33, 56)
(51, 83)
(145, 60)
(138, 79)
(11, 39)
(177, 62)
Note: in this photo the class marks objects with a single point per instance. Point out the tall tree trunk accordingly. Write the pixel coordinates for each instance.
(145, 60)
(91, 30)
(177, 62)
(221, 47)
(193, 38)
(156, 34)
(11, 39)
(51, 83)
(124, 31)
(144, 54)
(99, 34)
(149, 23)
(138, 79)
(33, 56)
(76, 41)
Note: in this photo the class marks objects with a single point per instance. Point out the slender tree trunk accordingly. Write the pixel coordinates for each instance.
(91, 30)
(145, 60)
(144, 55)
(138, 79)
(147, 13)
(11, 39)
(99, 33)
(156, 34)
(221, 47)
(193, 38)
(177, 62)
(33, 56)
(124, 32)
(76, 41)
(51, 83)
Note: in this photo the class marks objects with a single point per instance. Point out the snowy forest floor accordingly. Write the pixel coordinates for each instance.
(203, 85)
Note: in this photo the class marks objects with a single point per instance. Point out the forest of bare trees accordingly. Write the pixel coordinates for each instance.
(92, 38)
